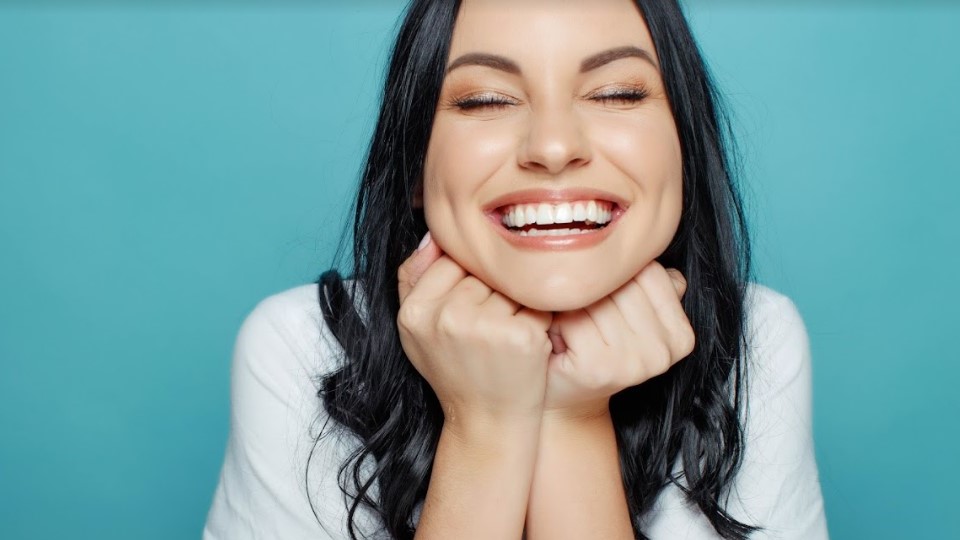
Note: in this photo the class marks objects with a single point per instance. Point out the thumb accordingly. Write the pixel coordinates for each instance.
(416, 264)
(556, 337)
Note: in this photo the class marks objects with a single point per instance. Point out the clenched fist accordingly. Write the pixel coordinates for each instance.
(636, 333)
(487, 357)
(484, 355)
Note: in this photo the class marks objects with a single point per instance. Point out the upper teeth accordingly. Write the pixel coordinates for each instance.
(546, 214)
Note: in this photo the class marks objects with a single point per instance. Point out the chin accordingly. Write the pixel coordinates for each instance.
(550, 299)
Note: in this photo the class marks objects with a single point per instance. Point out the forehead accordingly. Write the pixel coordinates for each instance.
(538, 31)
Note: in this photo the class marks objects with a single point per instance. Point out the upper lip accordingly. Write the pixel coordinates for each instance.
(553, 196)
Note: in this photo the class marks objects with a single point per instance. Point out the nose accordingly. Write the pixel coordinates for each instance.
(555, 141)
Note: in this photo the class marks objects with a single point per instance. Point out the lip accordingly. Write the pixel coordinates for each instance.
(570, 241)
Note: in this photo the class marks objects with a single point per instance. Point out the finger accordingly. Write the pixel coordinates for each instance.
(438, 280)
(679, 282)
(664, 292)
(557, 343)
(579, 333)
(610, 322)
(471, 290)
(501, 304)
(637, 310)
(663, 289)
(412, 269)
(539, 319)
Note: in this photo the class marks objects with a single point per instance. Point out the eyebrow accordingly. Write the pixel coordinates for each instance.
(590, 63)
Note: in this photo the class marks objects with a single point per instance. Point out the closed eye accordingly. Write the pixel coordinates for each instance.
(481, 101)
(624, 96)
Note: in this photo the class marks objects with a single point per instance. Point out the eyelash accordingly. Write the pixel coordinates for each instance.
(476, 102)
(631, 95)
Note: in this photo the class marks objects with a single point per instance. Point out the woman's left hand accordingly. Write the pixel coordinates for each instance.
(636, 333)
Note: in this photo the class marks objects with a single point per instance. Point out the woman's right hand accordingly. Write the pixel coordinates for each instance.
(484, 355)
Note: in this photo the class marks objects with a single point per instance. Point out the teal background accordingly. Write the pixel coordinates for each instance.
(164, 166)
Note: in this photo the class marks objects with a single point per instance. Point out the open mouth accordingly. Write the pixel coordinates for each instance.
(559, 219)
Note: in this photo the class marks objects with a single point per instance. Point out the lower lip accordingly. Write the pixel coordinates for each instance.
(568, 241)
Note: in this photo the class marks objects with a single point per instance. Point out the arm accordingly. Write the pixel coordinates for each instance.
(485, 357)
(778, 485)
(624, 339)
(261, 492)
(577, 490)
(480, 481)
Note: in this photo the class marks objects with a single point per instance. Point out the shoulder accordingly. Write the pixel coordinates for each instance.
(778, 483)
(768, 310)
(284, 315)
(279, 479)
(287, 329)
(777, 348)
(777, 486)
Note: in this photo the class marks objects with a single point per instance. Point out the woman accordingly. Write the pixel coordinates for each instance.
(565, 354)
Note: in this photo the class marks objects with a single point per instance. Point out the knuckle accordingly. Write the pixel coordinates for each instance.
(521, 338)
(660, 358)
(638, 373)
(449, 320)
(411, 316)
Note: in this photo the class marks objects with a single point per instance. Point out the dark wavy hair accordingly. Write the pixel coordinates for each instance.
(691, 413)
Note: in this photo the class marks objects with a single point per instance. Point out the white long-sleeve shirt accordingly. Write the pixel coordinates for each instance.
(284, 346)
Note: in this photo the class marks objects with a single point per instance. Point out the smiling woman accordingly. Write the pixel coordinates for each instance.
(563, 105)
(565, 354)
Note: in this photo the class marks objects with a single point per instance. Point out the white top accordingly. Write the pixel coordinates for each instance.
(284, 345)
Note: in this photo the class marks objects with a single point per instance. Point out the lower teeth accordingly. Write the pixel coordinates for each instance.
(555, 232)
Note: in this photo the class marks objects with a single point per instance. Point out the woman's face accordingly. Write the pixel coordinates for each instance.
(553, 111)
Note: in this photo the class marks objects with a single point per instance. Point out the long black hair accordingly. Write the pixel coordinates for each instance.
(692, 413)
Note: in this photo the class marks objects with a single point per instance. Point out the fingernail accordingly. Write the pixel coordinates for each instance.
(424, 242)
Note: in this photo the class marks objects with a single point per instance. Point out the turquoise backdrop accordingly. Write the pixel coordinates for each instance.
(164, 166)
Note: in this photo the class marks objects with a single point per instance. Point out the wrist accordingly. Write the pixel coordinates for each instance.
(492, 431)
(584, 413)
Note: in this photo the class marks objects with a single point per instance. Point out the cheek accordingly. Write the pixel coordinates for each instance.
(648, 152)
(460, 160)
(462, 156)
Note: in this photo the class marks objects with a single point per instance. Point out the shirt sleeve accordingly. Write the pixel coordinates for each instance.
(275, 415)
(778, 485)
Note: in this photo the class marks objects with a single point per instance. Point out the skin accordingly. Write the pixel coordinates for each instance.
(525, 347)
(555, 130)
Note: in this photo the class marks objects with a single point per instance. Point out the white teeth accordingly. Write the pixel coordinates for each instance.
(530, 215)
(555, 232)
(544, 214)
(564, 212)
(592, 211)
(519, 216)
(579, 212)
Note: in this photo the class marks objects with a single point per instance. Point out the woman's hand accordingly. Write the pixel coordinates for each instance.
(484, 355)
(636, 333)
